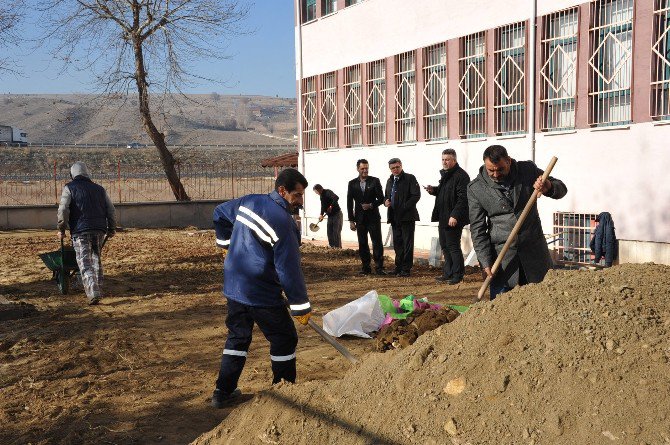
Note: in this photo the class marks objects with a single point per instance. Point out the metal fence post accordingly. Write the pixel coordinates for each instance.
(232, 179)
(118, 176)
(56, 184)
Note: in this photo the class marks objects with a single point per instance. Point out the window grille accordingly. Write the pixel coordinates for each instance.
(435, 92)
(558, 76)
(610, 64)
(352, 106)
(309, 134)
(472, 86)
(328, 6)
(510, 79)
(328, 113)
(308, 10)
(405, 97)
(375, 104)
(660, 61)
(573, 233)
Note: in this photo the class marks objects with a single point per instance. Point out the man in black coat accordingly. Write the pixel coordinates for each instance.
(331, 207)
(401, 195)
(364, 196)
(451, 211)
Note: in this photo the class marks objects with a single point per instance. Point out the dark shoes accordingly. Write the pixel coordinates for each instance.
(403, 274)
(365, 272)
(93, 301)
(380, 272)
(455, 280)
(220, 399)
(442, 279)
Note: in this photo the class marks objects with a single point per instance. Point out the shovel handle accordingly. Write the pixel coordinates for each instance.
(334, 343)
(515, 230)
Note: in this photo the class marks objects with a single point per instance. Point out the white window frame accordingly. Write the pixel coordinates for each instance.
(309, 114)
(435, 92)
(405, 97)
(509, 106)
(660, 63)
(353, 130)
(472, 86)
(375, 102)
(328, 110)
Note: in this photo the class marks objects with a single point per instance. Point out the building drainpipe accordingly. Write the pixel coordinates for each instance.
(533, 73)
(301, 152)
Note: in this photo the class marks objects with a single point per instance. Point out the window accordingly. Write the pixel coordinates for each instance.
(435, 92)
(510, 81)
(405, 102)
(472, 88)
(660, 61)
(558, 75)
(328, 112)
(328, 6)
(610, 64)
(351, 2)
(572, 234)
(375, 103)
(308, 10)
(352, 106)
(309, 135)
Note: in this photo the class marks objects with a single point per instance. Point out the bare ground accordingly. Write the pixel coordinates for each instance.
(140, 367)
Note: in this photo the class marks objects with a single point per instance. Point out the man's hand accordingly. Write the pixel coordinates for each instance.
(452, 221)
(487, 271)
(366, 206)
(352, 225)
(429, 188)
(320, 218)
(542, 187)
(61, 235)
(303, 319)
(387, 203)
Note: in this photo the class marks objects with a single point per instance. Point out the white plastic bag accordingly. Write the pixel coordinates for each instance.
(355, 318)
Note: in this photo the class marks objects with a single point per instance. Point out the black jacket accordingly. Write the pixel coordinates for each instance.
(88, 207)
(604, 242)
(451, 197)
(408, 193)
(329, 205)
(355, 197)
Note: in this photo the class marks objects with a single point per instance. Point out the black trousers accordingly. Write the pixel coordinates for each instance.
(276, 325)
(450, 242)
(403, 244)
(334, 229)
(374, 228)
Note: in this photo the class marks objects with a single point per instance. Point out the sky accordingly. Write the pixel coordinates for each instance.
(261, 63)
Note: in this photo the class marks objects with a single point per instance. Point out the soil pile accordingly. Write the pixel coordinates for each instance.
(402, 333)
(583, 357)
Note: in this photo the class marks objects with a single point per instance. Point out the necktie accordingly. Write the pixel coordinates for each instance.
(393, 190)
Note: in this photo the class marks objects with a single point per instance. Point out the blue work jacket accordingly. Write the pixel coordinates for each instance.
(263, 256)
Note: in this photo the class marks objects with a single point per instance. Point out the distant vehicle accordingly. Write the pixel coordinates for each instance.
(13, 137)
(136, 145)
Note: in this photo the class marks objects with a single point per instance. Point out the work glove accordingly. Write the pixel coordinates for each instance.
(303, 319)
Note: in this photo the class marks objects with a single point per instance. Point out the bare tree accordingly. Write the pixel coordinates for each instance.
(10, 16)
(148, 45)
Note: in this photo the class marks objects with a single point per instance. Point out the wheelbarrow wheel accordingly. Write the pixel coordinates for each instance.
(63, 278)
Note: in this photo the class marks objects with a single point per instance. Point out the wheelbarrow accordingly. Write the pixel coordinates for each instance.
(63, 264)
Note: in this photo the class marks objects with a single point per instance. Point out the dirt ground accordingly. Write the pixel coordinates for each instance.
(140, 367)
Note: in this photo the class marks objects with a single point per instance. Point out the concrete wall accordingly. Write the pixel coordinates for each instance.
(137, 215)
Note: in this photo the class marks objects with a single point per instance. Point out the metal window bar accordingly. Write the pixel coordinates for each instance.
(435, 92)
(328, 112)
(352, 106)
(660, 61)
(573, 233)
(472, 86)
(610, 64)
(375, 103)
(405, 97)
(309, 135)
(510, 79)
(558, 75)
(328, 6)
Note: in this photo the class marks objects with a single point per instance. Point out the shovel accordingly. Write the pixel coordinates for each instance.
(314, 227)
(515, 230)
(334, 343)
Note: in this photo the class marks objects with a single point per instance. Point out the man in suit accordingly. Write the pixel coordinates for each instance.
(364, 196)
(401, 195)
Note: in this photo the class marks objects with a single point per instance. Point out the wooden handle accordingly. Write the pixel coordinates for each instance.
(334, 343)
(515, 230)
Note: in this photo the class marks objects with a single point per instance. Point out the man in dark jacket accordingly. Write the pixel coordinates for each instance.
(85, 209)
(401, 195)
(364, 196)
(496, 199)
(451, 212)
(263, 259)
(331, 207)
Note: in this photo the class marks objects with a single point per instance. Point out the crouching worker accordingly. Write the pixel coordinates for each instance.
(85, 209)
(263, 259)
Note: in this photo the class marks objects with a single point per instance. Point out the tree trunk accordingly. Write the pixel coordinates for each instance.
(156, 136)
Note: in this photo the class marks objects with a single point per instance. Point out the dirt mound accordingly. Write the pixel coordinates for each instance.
(581, 358)
(402, 333)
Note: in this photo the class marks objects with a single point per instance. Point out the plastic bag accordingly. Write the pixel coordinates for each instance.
(355, 318)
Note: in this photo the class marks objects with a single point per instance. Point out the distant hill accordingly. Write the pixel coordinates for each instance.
(194, 119)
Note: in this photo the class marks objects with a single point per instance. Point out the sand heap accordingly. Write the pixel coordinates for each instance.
(582, 358)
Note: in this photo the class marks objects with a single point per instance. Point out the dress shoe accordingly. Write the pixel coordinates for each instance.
(403, 274)
(455, 281)
(442, 279)
(380, 272)
(364, 272)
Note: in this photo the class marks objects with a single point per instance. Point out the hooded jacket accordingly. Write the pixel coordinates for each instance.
(604, 242)
(493, 216)
(263, 256)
